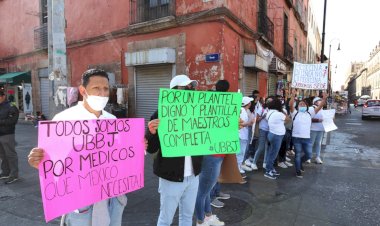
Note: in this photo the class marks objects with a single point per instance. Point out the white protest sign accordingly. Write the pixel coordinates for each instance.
(310, 76)
(328, 120)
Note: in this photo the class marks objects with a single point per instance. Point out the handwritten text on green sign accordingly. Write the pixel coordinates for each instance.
(198, 122)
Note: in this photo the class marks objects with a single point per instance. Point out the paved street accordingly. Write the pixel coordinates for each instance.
(343, 191)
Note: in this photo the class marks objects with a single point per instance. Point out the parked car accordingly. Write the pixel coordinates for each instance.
(363, 99)
(371, 109)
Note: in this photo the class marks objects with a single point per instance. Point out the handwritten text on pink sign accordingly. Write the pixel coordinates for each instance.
(89, 161)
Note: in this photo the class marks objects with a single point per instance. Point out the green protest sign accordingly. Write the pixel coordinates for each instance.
(198, 122)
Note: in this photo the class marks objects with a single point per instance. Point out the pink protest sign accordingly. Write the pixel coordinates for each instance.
(88, 161)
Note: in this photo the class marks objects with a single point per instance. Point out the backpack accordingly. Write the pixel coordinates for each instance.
(294, 118)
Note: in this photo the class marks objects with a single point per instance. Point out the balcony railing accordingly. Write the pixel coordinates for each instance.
(147, 10)
(289, 52)
(265, 26)
(41, 37)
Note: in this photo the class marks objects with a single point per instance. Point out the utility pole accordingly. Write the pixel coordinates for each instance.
(323, 34)
(57, 57)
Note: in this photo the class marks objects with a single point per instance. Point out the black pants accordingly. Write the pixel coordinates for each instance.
(8, 155)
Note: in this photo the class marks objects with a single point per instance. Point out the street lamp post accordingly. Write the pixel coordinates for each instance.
(328, 66)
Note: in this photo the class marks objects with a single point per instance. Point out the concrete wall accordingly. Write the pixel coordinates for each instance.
(89, 18)
(184, 7)
(18, 20)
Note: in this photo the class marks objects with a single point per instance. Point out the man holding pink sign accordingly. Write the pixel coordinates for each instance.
(97, 162)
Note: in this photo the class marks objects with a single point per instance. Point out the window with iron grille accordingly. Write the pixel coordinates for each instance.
(44, 12)
(146, 10)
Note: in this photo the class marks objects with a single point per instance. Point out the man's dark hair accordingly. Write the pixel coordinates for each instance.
(275, 104)
(92, 72)
(222, 86)
(2, 93)
(255, 92)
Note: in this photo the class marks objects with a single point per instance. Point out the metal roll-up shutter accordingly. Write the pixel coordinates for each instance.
(44, 90)
(249, 82)
(149, 80)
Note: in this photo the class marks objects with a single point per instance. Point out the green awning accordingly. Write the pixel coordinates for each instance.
(16, 78)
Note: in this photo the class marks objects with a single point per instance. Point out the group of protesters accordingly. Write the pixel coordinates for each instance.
(286, 126)
(190, 182)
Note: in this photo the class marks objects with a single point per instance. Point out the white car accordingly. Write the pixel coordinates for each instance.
(371, 109)
(363, 99)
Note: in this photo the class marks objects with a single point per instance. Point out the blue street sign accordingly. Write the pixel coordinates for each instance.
(215, 57)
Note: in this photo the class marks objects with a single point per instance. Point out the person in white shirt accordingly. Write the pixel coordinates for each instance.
(317, 131)
(301, 129)
(244, 133)
(95, 92)
(276, 121)
(261, 112)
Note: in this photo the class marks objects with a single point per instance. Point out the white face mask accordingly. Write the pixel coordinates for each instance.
(97, 103)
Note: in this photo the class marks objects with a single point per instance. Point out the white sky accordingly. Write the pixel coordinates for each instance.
(355, 24)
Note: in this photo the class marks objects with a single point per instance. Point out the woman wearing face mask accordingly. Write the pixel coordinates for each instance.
(301, 129)
(317, 131)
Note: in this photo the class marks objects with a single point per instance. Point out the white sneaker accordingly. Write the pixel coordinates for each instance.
(288, 164)
(287, 159)
(254, 166)
(247, 162)
(246, 168)
(264, 165)
(241, 171)
(213, 220)
(308, 161)
(318, 160)
(203, 224)
(282, 165)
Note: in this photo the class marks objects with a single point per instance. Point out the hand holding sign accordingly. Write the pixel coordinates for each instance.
(153, 125)
(35, 157)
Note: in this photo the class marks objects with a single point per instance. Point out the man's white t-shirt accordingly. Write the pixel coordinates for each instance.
(79, 112)
(276, 122)
(302, 123)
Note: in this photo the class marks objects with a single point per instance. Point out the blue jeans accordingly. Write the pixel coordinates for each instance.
(215, 191)
(250, 151)
(273, 148)
(173, 194)
(301, 144)
(207, 180)
(84, 217)
(262, 146)
(316, 142)
(241, 154)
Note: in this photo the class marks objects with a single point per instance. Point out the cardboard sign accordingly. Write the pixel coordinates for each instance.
(198, 123)
(310, 76)
(89, 161)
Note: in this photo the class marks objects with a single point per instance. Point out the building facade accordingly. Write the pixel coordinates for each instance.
(143, 44)
(23, 51)
(372, 86)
